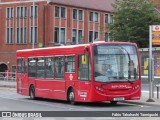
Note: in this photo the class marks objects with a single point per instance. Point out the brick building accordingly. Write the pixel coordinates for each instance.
(56, 22)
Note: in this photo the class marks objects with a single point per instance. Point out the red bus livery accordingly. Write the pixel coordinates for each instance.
(100, 71)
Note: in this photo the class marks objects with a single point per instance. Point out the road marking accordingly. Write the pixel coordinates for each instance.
(135, 104)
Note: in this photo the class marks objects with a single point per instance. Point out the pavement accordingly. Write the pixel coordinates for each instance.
(143, 101)
(8, 83)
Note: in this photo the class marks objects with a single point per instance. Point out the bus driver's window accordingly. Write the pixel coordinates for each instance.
(84, 70)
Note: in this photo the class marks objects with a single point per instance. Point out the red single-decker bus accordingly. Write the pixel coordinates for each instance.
(100, 71)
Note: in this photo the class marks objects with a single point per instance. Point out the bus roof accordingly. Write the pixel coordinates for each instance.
(73, 46)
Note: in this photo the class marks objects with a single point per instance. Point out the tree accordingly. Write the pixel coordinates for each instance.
(131, 21)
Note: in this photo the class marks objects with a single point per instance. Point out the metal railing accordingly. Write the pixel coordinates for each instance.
(8, 76)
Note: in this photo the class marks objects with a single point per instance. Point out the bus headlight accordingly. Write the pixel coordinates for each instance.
(99, 89)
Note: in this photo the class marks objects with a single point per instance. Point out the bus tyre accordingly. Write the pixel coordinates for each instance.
(32, 92)
(71, 97)
(113, 102)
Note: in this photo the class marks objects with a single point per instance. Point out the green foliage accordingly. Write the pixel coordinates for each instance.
(131, 21)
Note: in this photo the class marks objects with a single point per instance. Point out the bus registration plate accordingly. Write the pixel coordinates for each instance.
(118, 99)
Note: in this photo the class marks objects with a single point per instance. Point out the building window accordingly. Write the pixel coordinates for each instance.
(90, 36)
(21, 35)
(76, 33)
(106, 18)
(35, 34)
(25, 11)
(93, 36)
(9, 36)
(80, 37)
(75, 14)
(56, 35)
(62, 36)
(111, 19)
(80, 15)
(63, 15)
(21, 12)
(96, 17)
(59, 35)
(56, 11)
(60, 12)
(24, 35)
(93, 17)
(9, 13)
(74, 36)
(18, 35)
(35, 12)
(108, 38)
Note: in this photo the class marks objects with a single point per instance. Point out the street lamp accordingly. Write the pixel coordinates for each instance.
(33, 24)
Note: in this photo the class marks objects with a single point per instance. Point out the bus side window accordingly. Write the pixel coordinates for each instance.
(59, 67)
(70, 64)
(32, 67)
(84, 68)
(49, 67)
(21, 65)
(41, 67)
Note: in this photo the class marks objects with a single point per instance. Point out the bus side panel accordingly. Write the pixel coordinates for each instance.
(58, 88)
(50, 88)
(22, 84)
(42, 88)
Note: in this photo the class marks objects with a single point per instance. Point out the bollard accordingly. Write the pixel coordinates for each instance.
(157, 92)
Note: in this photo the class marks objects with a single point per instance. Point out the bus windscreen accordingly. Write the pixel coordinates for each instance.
(115, 63)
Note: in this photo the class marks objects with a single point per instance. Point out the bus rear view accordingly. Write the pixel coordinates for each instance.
(116, 72)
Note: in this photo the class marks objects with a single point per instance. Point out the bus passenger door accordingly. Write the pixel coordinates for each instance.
(84, 77)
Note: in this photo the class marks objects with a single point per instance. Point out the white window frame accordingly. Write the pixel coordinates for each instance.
(59, 35)
(9, 35)
(94, 16)
(60, 10)
(11, 12)
(36, 12)
(35, 41)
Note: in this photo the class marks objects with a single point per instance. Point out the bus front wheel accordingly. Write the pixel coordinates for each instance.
(32, 92)
(71, 96)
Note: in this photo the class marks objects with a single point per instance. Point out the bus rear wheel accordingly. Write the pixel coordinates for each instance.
(32, 93)
(71, 97)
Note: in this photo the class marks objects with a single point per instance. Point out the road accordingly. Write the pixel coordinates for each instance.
(11, 101)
